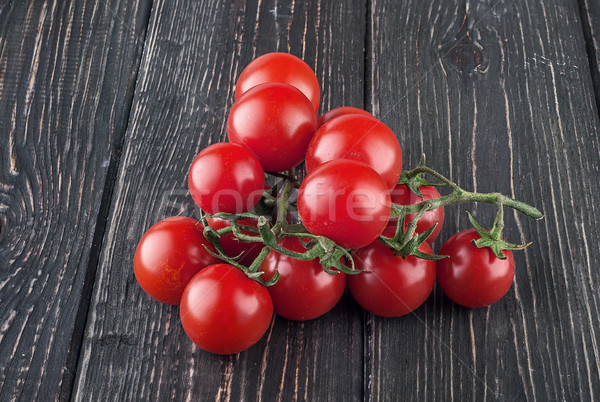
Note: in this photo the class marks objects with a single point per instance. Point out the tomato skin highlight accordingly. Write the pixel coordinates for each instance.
(226, 177)
(168, 255)
(280, 67)
(341, 111)
(346, 201)
(471, 276)
(276, 122)
(223, 311)
(391, 286)
(304, 291)
(402, 195)
(361, 138)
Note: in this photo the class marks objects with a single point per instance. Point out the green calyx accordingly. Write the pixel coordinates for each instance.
(415, 181)
(407, 243)
(492, 238)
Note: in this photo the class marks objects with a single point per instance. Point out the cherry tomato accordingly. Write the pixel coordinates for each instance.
(403, 196)
(276, 122)
(304, 291)
(346, 201)
(357, 137)
(391, 286)
(341, 111)
(226, 177)
(234, 247)
(280, 67)
(472, 276)
(223, 311)
(169, 254)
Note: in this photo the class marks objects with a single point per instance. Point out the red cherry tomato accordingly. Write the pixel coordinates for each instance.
(304, 291)
(276, 122)
(357, 137)
(346, 201)
(403, 196)
(280, 67)
(226, 177)
(223, 311)
(341, 111)
(391, 286)
(234, 247)
(471, 276)
(169, 254)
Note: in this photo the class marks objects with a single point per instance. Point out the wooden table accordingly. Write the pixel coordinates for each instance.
(104, 104)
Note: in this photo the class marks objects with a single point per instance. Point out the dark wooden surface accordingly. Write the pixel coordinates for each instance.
(104, 104)
(67, 75)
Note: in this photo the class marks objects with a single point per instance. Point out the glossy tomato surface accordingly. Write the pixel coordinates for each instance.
(402, 195)
(341, 111)
(346, 201)
(276, 122)
(280, 67)
(304, 291)
(226, 177)
(361, 138)
(234, 247)
(391, 286)
(169, 254)
(223, 311)
(471, 276)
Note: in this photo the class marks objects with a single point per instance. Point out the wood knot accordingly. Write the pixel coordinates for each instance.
(464, 54)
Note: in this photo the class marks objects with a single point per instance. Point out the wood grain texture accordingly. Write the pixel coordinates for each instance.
(134, 347)
(590, 19)
(67, 71)
(499, 96)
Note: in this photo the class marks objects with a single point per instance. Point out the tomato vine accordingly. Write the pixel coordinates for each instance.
(404, 242)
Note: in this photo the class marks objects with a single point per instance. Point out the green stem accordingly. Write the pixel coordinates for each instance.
(283, 203)
(270, 240)
(424, 169)
(498, 223)
(269, 199)
(296, 228)
(460, 195)
(259, 260)
(412, 226)
(244, 237)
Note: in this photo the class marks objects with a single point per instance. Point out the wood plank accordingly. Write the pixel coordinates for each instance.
(67, 71)
(499, 96)
(590, 19)
(134, 347)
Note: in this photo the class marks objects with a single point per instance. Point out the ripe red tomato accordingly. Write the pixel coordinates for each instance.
(403, 196)
(304, 291)
(280, 67)
(357, 137)
(223, 311)
(346, 201)
(341, 111)
(234, 247)
(226, 177)
(391, 286)
(471, 276)
(169, 254)
(276, 122)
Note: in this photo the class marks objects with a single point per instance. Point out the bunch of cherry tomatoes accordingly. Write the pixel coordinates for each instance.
(346, 202)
